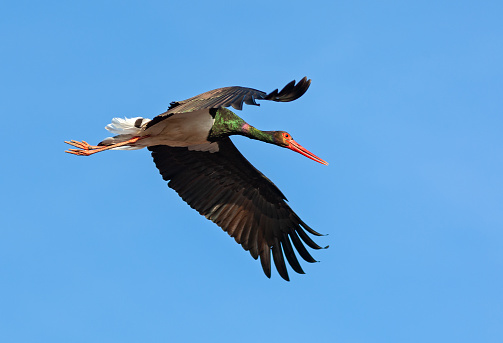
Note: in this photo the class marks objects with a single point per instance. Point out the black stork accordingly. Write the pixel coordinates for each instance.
(191, 148)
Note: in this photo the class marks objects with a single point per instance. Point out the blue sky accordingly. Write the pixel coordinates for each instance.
(405, 103)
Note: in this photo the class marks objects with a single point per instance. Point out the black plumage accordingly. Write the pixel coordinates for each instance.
(233, 96)
(228, 190)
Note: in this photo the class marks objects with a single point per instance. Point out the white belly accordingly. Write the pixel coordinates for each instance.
(180, 129)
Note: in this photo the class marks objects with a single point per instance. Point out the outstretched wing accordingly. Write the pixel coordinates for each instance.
(225, 188)
(236, 96)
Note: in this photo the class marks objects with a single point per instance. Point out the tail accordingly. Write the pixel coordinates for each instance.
(125, 129)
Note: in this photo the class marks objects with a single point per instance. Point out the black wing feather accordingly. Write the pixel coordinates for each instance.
(225, 188)
(235, 97)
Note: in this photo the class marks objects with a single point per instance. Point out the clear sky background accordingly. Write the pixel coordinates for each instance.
(406, 104)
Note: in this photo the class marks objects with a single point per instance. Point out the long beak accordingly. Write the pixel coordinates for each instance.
(303, 151)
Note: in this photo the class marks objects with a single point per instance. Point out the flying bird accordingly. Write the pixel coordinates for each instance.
(191, 147)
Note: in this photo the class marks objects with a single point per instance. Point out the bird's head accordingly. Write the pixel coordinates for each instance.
(285, 140)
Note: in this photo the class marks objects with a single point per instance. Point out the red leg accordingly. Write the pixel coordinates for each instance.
(84, 149)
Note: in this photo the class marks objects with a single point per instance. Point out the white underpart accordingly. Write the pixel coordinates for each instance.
(182, 130)
(210, 147)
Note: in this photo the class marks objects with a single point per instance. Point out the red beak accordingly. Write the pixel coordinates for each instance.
(303, 151)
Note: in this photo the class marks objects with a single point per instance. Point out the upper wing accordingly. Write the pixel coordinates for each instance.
(235, 96)
(225, 188)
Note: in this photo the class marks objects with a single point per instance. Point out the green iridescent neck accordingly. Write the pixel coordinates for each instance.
(228, 123)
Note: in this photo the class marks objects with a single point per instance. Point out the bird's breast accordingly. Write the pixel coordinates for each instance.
(181, 129)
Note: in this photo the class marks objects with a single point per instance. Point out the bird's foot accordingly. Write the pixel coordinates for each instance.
(83, 148)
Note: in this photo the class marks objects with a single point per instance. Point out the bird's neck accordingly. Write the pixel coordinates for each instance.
(228, 123)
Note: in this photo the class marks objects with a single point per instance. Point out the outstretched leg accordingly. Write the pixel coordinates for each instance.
(85, 149)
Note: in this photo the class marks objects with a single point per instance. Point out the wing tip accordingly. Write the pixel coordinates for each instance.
(290, 92)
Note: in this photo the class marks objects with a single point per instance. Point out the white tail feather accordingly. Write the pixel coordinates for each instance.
(125, 129)
(125, 126)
